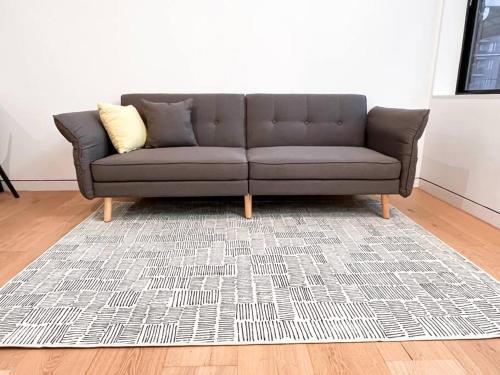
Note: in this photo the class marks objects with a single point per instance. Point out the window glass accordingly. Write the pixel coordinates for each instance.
(483, 63)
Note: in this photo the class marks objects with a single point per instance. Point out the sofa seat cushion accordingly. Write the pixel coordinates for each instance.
(321, 163)
(173, 164)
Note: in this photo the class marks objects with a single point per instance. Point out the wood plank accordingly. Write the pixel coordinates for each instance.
(189, 356)
(292, 359)
(202, 356)
(216, 370)
(10, 358)
(256, 359)
(204, 370)
(36, 233)
(420, 350)
(55, 361)
(480, 245)
(489, 349)
(435, 367)
(130, 361)
(326, 361)
(224, 356)
(392, 351)
(349, 358)
(446, 211)
(178, 371)
(472, 359)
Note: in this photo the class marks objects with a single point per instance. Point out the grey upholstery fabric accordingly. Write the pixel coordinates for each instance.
(171, 189)
(353, 153)
(395, 132)
(321, 163)
(305, 120)
(169, 124)
(90, 142)
(173, 164)
(322, 187)
(218, 119)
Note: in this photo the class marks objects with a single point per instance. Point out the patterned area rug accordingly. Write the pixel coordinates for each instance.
(196, 272)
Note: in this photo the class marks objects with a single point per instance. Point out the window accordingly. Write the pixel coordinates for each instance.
(480, 63)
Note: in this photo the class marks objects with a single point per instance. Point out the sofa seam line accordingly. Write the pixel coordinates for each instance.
(194, 163)
(326, 162)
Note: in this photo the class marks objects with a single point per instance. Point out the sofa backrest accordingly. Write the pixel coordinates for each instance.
(218, 119)
(305, 120)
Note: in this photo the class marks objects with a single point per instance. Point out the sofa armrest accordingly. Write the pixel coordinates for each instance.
(90, 142)
(395, 132)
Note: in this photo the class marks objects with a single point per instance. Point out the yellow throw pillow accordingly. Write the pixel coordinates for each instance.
(124, 126)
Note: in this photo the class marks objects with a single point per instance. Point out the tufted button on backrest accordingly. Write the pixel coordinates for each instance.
(305, 120)
(225, 111)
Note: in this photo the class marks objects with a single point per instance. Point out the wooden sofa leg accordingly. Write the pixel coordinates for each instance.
(386, 214)
(108, 209)
(248, 206)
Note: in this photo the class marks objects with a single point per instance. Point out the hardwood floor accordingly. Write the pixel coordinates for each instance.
(31, 224)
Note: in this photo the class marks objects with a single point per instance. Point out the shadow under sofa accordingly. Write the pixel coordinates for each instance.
(258, 144)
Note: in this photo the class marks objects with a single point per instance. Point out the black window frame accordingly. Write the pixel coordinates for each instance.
(467, 49)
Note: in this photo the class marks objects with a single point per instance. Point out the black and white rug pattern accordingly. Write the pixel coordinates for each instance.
(186, 272)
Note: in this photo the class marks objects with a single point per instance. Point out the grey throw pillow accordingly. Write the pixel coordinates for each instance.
(169, 124)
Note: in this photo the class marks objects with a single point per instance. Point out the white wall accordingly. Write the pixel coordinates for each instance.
(450, 46)
(461, 159)
(462, 154)
(60, 56)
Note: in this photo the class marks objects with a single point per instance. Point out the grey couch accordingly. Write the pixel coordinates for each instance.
(259, 144)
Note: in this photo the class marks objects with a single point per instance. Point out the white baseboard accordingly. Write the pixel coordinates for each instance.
(41, 185)
(465, 204)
